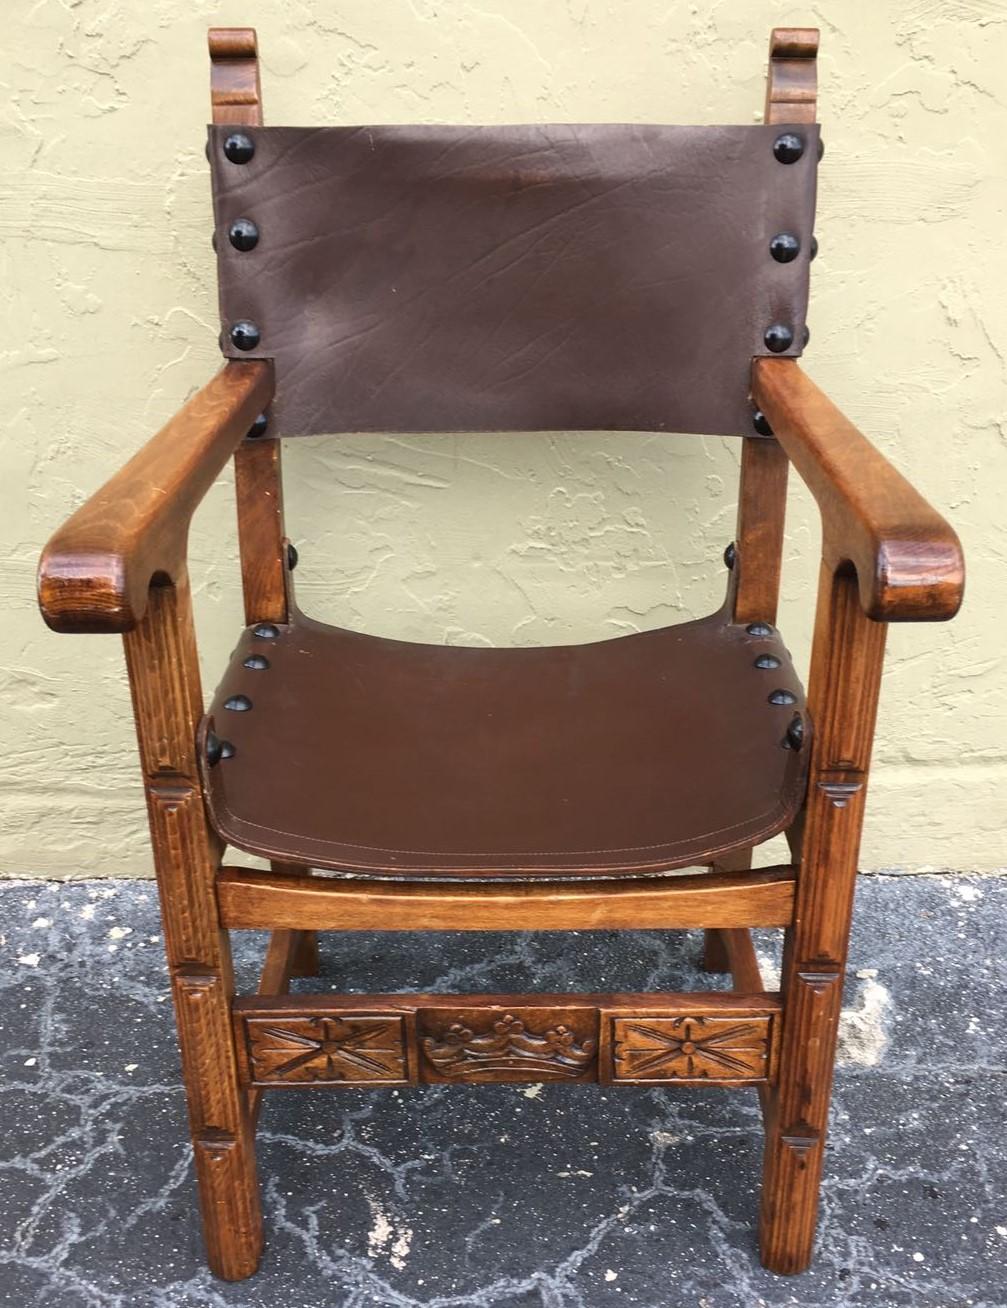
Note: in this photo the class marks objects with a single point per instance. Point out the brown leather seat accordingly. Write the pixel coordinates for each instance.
(639, 754)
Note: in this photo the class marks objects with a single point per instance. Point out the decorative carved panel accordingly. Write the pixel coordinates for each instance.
(342, 1049)
(651, 1050)
(523, 1044)
(393, 1040)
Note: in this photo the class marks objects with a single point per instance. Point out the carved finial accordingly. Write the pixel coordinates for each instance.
(235, 95)
(232, 43)
(792, 84)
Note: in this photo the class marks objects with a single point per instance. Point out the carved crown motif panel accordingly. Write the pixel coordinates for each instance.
(661, 1049)
(521, 1045)
(659, 1040)
(338, 1050)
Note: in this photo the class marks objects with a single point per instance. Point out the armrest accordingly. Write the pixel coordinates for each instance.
(97, 569)
(908, 560)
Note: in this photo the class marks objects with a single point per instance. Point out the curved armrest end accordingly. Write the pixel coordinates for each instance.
(83, 591)
(908, 559)
(97, 570)
(914, 580)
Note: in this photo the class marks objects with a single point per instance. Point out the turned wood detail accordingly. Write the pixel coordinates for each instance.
(393, 1040)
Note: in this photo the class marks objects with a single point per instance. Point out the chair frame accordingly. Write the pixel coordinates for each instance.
(119, 565)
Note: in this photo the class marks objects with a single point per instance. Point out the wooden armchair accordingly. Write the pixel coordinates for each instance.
(498, 279)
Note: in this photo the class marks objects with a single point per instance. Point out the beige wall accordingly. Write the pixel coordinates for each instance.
(108, 296)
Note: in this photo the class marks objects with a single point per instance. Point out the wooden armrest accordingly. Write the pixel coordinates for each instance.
(908, 560)
(97, 569)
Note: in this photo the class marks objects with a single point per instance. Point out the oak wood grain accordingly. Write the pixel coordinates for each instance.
(791, 97)
(908, 560)
(253, 900)
(846, 663)
(167, 704)
(705, 1038)
(236, 100)
(96, 571)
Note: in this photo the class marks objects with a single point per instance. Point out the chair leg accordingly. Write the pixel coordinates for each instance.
(306, 958)
(164, 681)
(796, 1112)
(714, 954)
(306, 953)
(842, 697)
(715, 957)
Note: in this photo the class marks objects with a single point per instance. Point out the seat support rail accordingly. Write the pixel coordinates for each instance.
(262, 900)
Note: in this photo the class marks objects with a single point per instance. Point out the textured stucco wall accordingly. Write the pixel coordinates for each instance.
(108, 301)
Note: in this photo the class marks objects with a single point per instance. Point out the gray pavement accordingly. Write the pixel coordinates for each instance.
(509, 1196)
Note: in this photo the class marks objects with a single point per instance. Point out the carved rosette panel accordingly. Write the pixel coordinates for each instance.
(517, 1045)
(343, 1049)
(658, 1050)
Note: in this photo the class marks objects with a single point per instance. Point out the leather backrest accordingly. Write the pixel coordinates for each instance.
(513, 278)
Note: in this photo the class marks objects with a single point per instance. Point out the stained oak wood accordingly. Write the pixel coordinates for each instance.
(791, 97)
(792, 83)
(908, 560)
(236, 100)
(258, 899)
(96, 572)
(119, 565)
(395, 1040)
(279, 966)
(846, 662)
(741, 960)
(715, 957)
(167, 704)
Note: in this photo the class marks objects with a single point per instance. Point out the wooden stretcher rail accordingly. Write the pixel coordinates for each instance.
(262, 900)
(374, 1041)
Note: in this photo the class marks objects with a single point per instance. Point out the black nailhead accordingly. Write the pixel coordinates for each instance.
(784, 247)
(821, 149)
(213, 242)
(227, 750)
(258, 427)
(795, 733)
(730, 556)
(761, 423)
(245, 335)
(213, 749)
(778, 338)
(238, 703)
(759, 629)
(782, 697)
(257, 662)
(206, 150)
(788, 147)
(292, 557)
(243, 234)
(266, 631)
(768, 662)
(814, 247)
(239, 148)
(806, 335)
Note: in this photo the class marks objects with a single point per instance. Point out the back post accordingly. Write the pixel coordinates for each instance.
(236, 100)
(791, 97)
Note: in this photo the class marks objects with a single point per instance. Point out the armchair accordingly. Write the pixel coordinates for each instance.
(455, 286)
